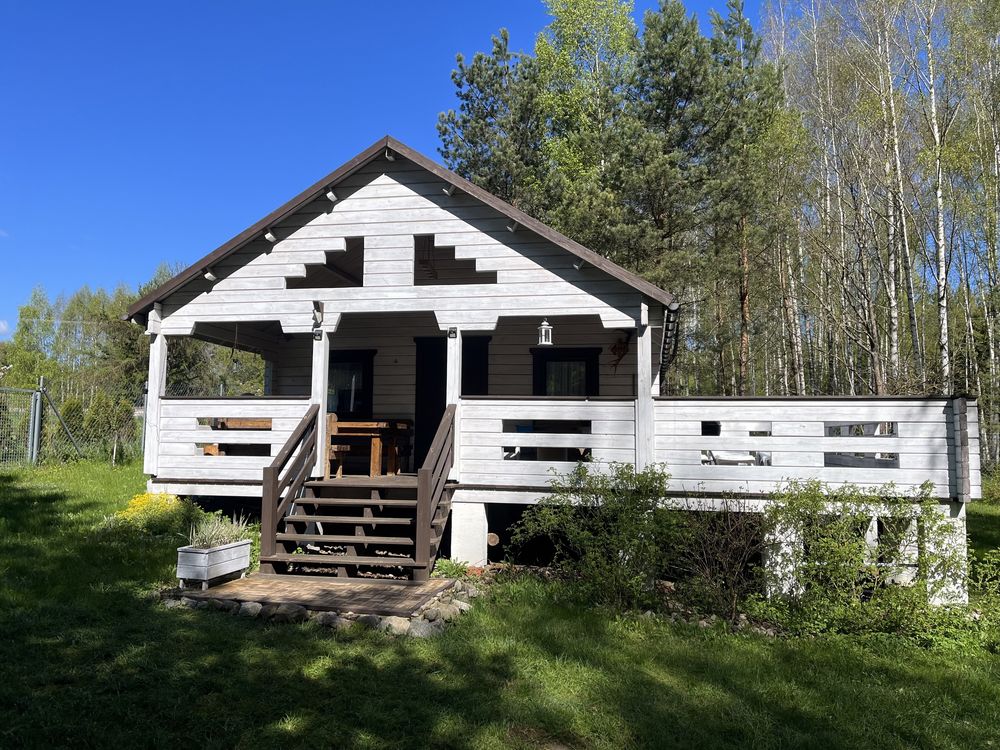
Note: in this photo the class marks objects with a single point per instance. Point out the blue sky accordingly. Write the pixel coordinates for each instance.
(133, 134)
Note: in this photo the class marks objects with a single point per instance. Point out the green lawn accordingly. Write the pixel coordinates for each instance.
(89, 660)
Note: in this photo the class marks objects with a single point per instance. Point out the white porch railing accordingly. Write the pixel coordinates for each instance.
(222, 439)
(519, 442)
(709, 445)
(753, 445)
(740, 445)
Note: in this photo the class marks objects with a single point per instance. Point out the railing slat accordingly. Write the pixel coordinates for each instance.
(280, 489)
(432, 478)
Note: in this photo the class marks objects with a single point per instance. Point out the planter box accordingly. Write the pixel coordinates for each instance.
(199, 564)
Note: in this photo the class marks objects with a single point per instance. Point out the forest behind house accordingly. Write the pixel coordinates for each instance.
(821, 193)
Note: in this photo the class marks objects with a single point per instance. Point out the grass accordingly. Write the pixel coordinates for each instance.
(89, 660)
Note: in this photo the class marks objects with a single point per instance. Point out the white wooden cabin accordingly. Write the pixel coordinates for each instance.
(393, 289)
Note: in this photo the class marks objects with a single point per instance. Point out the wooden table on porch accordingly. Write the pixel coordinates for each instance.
(386, 436)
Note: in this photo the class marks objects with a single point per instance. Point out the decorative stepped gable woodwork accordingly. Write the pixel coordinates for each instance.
(389, 204)
(436, 265)
(341, 269)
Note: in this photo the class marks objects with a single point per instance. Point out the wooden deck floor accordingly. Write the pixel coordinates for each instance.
(364, 597)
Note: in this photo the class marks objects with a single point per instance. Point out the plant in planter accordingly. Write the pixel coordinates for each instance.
(217, 547)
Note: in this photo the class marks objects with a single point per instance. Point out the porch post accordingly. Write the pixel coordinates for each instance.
(947, 574)
(453, 384)
(155, 388)
(453, 393)
(468, 533)
(644, 427)
(320, 381)
(782, 558)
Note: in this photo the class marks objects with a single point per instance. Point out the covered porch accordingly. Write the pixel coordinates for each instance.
(383, 381)
(491, 414)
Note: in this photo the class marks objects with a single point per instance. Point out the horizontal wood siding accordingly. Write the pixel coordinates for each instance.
(394, 367)
(388, 203)
(798, 446)
(291, 368)
(511, 359)
(482, 441)
(181, 435)
(510, 356)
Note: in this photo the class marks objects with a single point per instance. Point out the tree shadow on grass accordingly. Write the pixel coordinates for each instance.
(90, 660)
(675, 686)
(176, 677)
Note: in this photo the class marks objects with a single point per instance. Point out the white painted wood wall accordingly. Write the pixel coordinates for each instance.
(388, 203)
(483, 440)
(181, 435)
(924, 442)
(510, 356)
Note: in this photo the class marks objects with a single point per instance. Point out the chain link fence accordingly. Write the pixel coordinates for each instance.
(18, 438)
(55, 423)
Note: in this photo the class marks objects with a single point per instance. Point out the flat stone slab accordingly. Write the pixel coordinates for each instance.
(358, 595)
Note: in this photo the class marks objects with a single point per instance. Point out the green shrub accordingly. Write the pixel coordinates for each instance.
(155, 514)
(715, 556)
(73, 413)
(846, 581)
(608, 530)
(445, 568)
(991, 487)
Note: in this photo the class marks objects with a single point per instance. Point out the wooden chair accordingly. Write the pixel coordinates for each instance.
(335, 452)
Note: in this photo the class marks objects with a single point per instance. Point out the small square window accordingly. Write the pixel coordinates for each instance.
(349, 391)
(565, 372)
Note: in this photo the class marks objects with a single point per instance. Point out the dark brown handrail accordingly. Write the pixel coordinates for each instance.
(431, 480)
(280, 489)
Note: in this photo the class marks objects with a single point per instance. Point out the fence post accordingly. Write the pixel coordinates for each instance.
(38, 420)
(32, 420)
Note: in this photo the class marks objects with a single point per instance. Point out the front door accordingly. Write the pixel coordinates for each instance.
(431, 364)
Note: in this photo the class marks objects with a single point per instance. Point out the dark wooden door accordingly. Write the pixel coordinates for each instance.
(428, 409)
(431, 363)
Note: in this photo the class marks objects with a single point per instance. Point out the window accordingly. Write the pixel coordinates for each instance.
(565, 372)
(349, 392)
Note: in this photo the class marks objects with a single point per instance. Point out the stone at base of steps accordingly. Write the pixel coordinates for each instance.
(428, 621)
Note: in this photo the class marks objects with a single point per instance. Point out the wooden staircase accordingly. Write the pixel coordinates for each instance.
(354, 527)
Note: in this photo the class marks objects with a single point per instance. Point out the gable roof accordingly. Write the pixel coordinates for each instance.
(256, 231)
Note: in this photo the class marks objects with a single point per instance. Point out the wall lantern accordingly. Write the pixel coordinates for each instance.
(545, 334)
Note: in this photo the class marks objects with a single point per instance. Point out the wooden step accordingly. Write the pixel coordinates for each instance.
(389, 562)
(358, 501)
(356, 520)
(342, 539)
(388, 482)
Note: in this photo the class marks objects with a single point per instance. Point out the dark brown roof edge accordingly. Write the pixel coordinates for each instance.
(313, 192)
